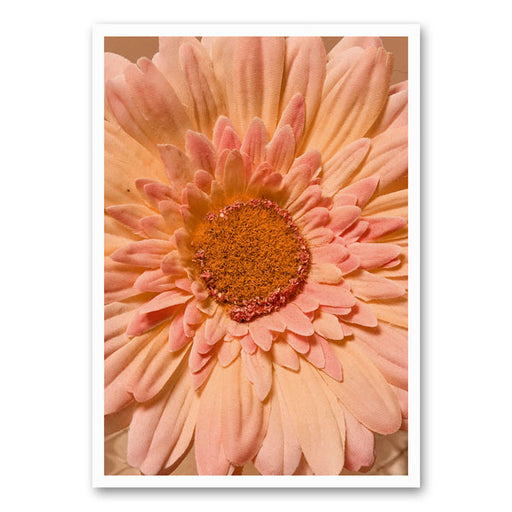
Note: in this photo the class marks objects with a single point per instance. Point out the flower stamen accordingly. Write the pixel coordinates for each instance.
(251, 257)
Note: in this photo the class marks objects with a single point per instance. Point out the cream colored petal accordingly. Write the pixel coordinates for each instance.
(126, 161)
(353, 104)
(304, 73)
(250, 69)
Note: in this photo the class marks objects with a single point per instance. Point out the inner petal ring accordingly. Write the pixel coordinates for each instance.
(251, 257)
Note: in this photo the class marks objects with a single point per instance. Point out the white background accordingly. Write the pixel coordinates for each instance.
(45, 122)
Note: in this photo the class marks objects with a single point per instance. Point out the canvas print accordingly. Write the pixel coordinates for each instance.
(256, 256)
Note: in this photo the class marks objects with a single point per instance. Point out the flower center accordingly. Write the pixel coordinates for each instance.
(251, 257)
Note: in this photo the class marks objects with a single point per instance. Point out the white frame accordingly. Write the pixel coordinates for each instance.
(99, 479)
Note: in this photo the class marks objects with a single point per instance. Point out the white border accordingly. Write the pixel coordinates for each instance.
(413, 478)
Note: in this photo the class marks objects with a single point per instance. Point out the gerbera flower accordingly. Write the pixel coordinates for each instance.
(256, 254)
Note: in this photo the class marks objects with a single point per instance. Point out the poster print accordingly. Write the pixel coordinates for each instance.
(256, 234)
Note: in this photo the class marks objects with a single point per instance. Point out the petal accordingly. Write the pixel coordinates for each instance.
(365, 392)
(363, 190)
(177, 165)
(359, 446)
(251, 69)
(161, 429)
(255, 142)
(312, 417)
(295, 320)
(200, 151)
(154, 281)
(155, 369)
(388, 157)
(374, 255)
(294, 115)
(304, 73)
(130, 215)
(120, 366)
(260, 334)
(258, 369)
(328, 326)
(351, 107)
(244, 418)
(325, 273)
(281, 149)
(382, 226)
(329, 295)
(234, 174)
(284, 355)
(125, 161)
(361, 314)
(119, 281)
(394, 114)
(339, 169)
(387, 341)
(280, 452)
(146, 253)
(210, 456)
(368, 286)
(206, 94)
(146, 106)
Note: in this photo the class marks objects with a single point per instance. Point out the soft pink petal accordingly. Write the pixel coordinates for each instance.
(200, 151)
(313, 419)
(154, 281)
(361, 314)
(130, 215)
(207, 99)
(363, 190)
(146, 106)
(244, 418)
(354, 103)
(304, 73)
(295, 320)
(178, 338)
(328, 326)
(294, 115)
(382, 226)
(330, 295)
(155, 369)
(332, 365)
(210, 456)
(365, 392)
(281, 149)
(374, 255)
(369, 286)
(119, 281)
(342, 217)
(280, 452)
(340, 168)
(146, 253)
(284, 355)
(251, 70)
(395, 113)
(255, 142)
(258, 369)
(359, 445)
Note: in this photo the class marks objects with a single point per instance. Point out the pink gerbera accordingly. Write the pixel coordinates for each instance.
(256, 268)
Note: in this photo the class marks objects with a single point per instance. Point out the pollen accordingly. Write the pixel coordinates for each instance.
(251, 258)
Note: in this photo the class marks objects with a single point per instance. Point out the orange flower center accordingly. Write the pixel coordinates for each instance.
(251, 257)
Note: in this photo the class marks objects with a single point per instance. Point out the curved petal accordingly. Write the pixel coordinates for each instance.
(313, 419)
(251, 70)
(351, 107)
(365, 392)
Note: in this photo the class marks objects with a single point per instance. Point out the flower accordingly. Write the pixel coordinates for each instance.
(256, 254)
